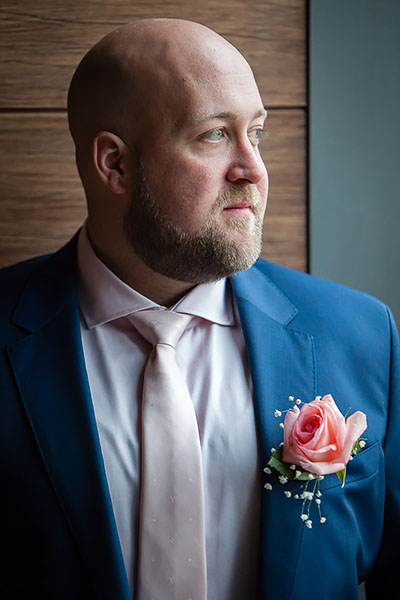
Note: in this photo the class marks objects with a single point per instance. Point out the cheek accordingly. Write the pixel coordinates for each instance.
(203, 176)
(186, 190)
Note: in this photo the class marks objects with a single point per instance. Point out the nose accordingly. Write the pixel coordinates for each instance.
(246, 164)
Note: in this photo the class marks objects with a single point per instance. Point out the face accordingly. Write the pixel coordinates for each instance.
(201, 187)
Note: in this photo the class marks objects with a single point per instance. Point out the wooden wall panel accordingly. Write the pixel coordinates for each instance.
(42, 202)
(285, 223)
(42, 42)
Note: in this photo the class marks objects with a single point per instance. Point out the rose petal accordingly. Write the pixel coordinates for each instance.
(321, 468)
(290, 420)
(288, 454)
(325, 454)
(335, 419)
(356, 424)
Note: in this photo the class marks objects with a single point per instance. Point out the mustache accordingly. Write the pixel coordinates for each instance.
(237, 194)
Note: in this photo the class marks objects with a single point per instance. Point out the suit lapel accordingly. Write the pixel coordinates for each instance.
(282, 364)
(50, 372)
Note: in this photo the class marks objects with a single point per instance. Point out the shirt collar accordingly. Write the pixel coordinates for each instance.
(103, 297)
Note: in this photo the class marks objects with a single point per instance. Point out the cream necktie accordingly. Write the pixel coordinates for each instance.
(172, 564)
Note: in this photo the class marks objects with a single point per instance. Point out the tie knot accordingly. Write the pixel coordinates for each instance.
(160, 326)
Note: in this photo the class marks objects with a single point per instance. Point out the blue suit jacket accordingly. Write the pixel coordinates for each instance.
(304, 336)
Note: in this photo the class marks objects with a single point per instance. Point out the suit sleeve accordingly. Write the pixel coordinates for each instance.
(384, 580)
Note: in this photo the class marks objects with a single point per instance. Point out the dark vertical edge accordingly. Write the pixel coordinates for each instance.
(307, 134)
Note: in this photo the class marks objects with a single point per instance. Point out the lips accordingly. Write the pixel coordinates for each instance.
(245, 204)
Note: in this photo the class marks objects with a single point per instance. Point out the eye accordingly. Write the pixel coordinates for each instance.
(215, 135)
(255, 135)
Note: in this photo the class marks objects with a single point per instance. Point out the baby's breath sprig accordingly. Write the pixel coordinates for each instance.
(294, 408)
(295, 473)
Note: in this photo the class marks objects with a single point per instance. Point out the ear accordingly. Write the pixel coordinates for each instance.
(109, 154)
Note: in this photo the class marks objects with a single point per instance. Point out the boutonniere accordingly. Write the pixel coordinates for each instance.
(318, 441)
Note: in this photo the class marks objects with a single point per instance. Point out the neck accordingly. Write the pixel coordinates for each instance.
(126, 265)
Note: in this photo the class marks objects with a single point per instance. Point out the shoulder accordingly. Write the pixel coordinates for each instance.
(22, 269)
(37, 286)
(323, 304)
(306, 287)
(13, 280)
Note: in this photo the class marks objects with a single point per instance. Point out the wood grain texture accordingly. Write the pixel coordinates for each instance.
(42, 42)
(42, 201)
(285, 222)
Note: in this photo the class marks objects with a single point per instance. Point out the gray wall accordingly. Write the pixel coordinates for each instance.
(355, 145)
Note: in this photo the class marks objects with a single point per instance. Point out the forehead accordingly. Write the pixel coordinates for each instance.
(216, 95)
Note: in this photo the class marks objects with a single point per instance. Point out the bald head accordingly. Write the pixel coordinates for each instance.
(131, 78)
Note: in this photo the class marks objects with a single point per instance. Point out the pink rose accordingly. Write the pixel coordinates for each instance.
(318, 438)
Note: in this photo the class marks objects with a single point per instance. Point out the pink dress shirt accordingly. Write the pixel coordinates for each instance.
(212, 357)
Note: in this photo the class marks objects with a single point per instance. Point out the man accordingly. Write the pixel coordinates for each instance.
(166, 120)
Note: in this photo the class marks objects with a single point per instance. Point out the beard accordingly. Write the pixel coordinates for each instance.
(207, 255)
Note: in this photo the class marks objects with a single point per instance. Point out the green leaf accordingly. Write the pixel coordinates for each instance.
(276, 462)
(278, 453)
(284, 468)
(342, 476)
(355, 450)
(281, 467)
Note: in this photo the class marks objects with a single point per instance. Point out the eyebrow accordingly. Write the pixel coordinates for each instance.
(227, 115)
